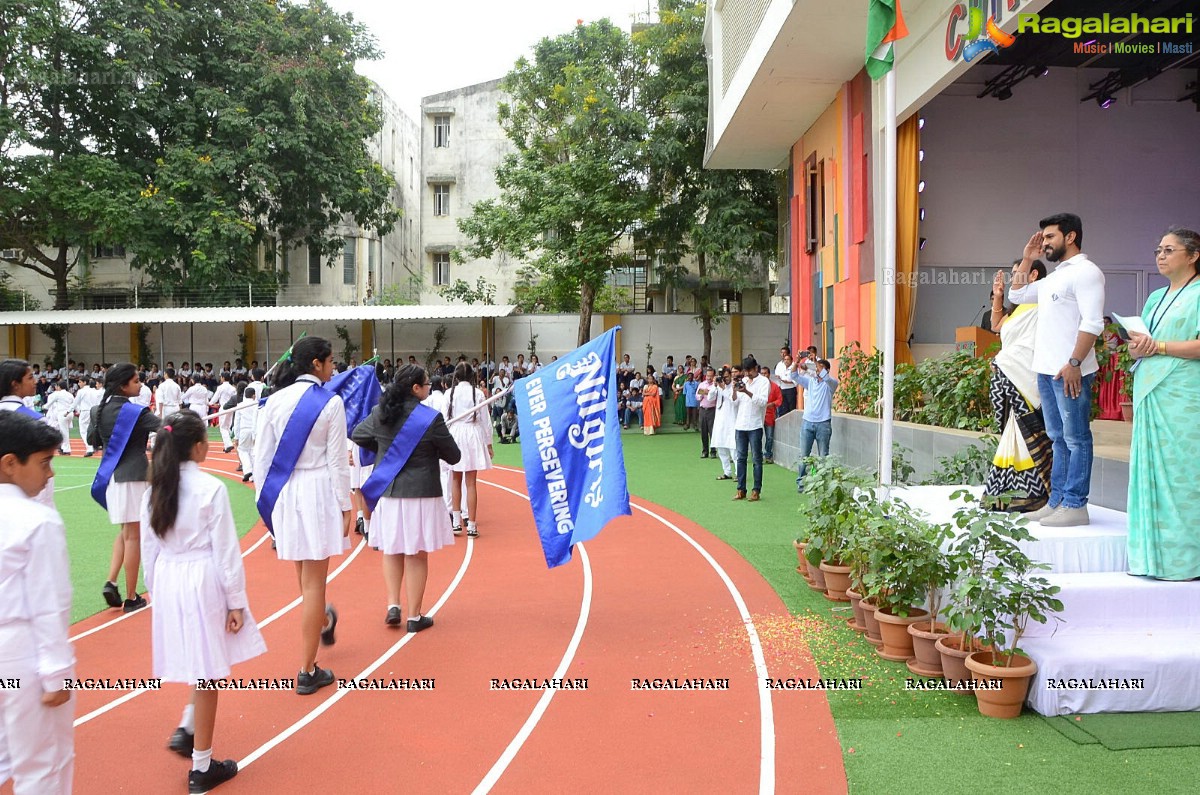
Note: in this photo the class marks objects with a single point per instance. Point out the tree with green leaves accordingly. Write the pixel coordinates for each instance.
(197, 134)
(573, 188)
(726, 219)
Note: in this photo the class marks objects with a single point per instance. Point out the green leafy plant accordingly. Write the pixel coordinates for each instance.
(243, 348)
(349, 347)
(57, 332)
(145, 352)
(433, 354)
(836, 500)
(998, 590)
(969, 466)
(484, 292)
(908, 563)
(858, 381)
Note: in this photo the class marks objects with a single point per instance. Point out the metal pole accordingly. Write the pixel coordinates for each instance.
(192, 339)
(162, 350)
(103, 356)
(267, 358)
(888, 334)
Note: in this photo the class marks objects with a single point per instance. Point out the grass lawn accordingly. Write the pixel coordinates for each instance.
(892, 740)
(90, 536)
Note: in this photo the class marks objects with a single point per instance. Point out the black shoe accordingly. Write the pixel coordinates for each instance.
(89, 455)
(418, 624)
(307, 684)
(239, 468)
(456, 529)
(712, 452)
(229, 449)
(111, 595)
(137, 603)
(246, 477)
(327, 638)
(360, 526)
(218, 773)
(393, 617)
(704, 455)
(724, 477)
(182, 742)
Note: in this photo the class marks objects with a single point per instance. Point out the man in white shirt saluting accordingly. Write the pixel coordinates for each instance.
(1070, 316)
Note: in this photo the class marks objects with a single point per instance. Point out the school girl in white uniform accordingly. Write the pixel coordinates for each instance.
(313, 516)
(473, 435)
(36, 734)
(201, 622)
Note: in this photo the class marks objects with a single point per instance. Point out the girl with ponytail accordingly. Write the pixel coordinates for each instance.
(128, 484)
(311, 516)
(473, 435)
(201, 623)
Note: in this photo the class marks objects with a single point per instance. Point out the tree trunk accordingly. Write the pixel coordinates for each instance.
(62, 299)
(587, 300)
(704, 303)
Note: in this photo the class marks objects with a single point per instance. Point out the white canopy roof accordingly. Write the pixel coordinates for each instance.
(254, 314)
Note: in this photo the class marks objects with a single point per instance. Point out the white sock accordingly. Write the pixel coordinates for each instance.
(417, 617)
(471, 524)
(456, 517)
(395, 606)
(201, 760)
(360, 514)
(188, 721)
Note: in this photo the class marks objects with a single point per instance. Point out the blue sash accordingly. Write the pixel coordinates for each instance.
(291, 444)
(127, 419)
(28, 412)
(398, 452)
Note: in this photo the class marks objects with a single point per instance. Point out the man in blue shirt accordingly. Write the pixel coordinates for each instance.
(818, 407)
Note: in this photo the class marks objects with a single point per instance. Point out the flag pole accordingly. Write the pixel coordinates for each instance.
(888, 332)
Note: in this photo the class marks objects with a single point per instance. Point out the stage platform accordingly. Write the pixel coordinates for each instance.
(1121, 643)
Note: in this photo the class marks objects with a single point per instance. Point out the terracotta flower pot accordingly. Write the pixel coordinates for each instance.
(1010, 698)
(926, 660)
(873, 636)
(816, 578)
(1127, 410)
(837, 581)
(954, 666)
(802, 564)
(857, 622)
(897, 643)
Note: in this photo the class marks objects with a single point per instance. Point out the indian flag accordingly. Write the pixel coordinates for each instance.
(885, 24)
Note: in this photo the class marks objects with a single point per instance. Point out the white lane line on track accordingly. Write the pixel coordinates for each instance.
(121, 618)
(766, 782)
(543, 703)
(135, 693)
(325, 705)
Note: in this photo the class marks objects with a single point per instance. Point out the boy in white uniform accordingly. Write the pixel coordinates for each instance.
(87, 397)
(37, 745)
(59, 407)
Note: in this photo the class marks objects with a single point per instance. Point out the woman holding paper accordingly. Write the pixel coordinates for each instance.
(1023, 457)
(409, 520)
(1164, 472)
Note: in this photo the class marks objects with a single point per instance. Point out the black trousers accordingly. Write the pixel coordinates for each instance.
(706, 425)
(789, 401)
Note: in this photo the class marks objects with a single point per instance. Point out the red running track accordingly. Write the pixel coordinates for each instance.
(655, 596)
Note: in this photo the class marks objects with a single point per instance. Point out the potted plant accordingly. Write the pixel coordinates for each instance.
(831, 503)
(998, 591)
(898, 575)
(802, 563)
(1124, 366)
(869, 532)
(937, 570)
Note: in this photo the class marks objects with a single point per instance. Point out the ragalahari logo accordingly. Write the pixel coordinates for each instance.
(984, 38)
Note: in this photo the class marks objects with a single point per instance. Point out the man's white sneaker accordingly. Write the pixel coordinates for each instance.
(1067, 517)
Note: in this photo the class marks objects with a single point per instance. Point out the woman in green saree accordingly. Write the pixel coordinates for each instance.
(1164, 468)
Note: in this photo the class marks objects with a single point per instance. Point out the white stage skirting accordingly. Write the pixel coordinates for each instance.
(1100, 546)
(1143, 633)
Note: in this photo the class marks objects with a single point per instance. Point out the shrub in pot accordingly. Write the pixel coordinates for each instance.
(870, 531)
(936, 569)
(998, 591)
(900, 567)
(831, 505)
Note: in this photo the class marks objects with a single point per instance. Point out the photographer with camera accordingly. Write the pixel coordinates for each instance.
(818, 418)
(750, 394)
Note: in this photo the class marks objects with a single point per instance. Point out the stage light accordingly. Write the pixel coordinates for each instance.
(1105, 100)
(921, 244)
(1042, 71)
(921, 186)
(920, 122)
(921, 214)
(1004, 93)
(920, 155)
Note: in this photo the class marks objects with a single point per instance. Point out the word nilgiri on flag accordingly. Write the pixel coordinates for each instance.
(571, 446)
(885, 24)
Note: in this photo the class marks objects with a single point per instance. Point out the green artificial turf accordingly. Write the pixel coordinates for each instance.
(893, 740)
(1123, 731)
(90, 536)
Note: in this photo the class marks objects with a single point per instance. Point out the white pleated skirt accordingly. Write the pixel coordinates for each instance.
(408, 525)
(470, 443)
(125, 500)
(308, 518)
(358, 472)
(188, 619)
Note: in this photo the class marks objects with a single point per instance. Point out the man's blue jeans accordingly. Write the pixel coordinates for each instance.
(768, 441)
(631, 414)
(751, 440)
(1068, 424)
(810, 432)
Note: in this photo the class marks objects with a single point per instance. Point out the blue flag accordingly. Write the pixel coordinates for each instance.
(359, 390)
(571, 446)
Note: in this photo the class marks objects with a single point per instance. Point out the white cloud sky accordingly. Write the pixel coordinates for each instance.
(432, 46)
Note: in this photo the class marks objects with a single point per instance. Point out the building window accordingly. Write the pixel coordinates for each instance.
(107, 252)
(441, 268)
(314, 265)
(441, 199)
(349, 266)
(412, 174)
(441, 131)
(10, 253)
